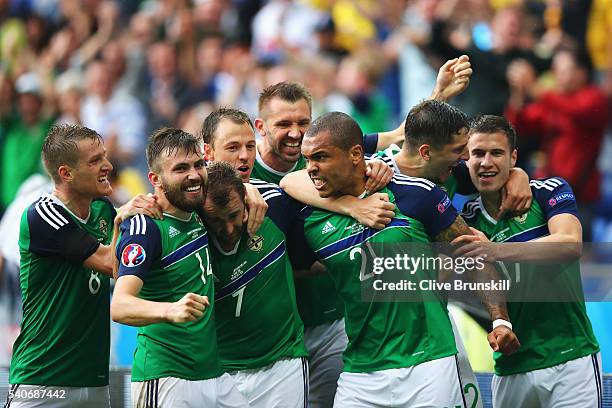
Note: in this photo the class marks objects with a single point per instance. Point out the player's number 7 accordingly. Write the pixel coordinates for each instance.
(239, 294)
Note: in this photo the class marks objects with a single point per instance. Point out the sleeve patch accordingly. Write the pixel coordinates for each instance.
(443, 205)
(133, 255)
(560, 198)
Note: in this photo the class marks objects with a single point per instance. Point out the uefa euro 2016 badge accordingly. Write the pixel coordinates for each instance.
(103, 227)
(133, 255)
(255, 243)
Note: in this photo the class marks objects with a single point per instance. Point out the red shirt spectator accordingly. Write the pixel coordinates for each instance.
(569, 121)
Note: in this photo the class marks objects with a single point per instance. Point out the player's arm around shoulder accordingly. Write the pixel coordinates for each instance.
(374, 211)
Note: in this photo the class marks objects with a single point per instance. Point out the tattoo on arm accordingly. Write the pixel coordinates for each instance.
(457, 228)
(493, 300)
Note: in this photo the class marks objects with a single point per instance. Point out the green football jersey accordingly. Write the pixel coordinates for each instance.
(457, 183)
(264, 172)
(550, 333)
(171, 257)
(65, 331)
(256, 313)
(316, 297)
(385, 335)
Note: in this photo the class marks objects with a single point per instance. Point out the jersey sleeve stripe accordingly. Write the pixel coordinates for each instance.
(46, 214)
(47, 208)
(49, 203)
(539, 185)
(403, 179)
(270, 192)
(44, 217)
(415, 184)
(266, 197)
(143, 223)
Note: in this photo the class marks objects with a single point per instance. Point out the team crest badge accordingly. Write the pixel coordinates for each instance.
(255, 243)
(103, 227)
(133, 255)
(520, 218)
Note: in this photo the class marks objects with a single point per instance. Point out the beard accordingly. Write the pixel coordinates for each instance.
(176, 195)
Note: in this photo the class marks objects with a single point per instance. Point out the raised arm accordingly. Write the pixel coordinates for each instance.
(453, 78)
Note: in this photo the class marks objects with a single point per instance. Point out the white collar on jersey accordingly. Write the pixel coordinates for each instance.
(233, 251)
(270, 169)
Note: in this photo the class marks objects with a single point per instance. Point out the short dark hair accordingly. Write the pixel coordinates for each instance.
(222, 180)
(494, 124)
(344, 130)
(211, 123)
(60, 147)
(169, 140)
(434, 123)
(286, 91)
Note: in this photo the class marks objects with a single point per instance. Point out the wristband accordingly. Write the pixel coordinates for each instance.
(501, 322)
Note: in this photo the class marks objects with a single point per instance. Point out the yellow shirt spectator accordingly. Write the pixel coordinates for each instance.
(599, 34)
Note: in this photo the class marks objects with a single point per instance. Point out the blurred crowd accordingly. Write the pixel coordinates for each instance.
(125, 68)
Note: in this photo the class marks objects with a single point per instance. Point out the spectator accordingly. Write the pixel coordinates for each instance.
(24, 135)
(117, 117)
(357, 79)
(488, 91)
(69, 91)
(164, 92)
(569, 121)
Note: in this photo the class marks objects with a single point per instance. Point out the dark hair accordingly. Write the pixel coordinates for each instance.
(434, 123)
(222, 180)
(169, 140)
(60, 147)
(494, 124)
(209, 127)
(345, 132)
(286, 91)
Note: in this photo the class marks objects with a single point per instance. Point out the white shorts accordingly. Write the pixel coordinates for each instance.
(34, 396)
(325, 344)
(178, 393)
(431, 384)
(576, 383)
(469, 384)
(283, 384)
